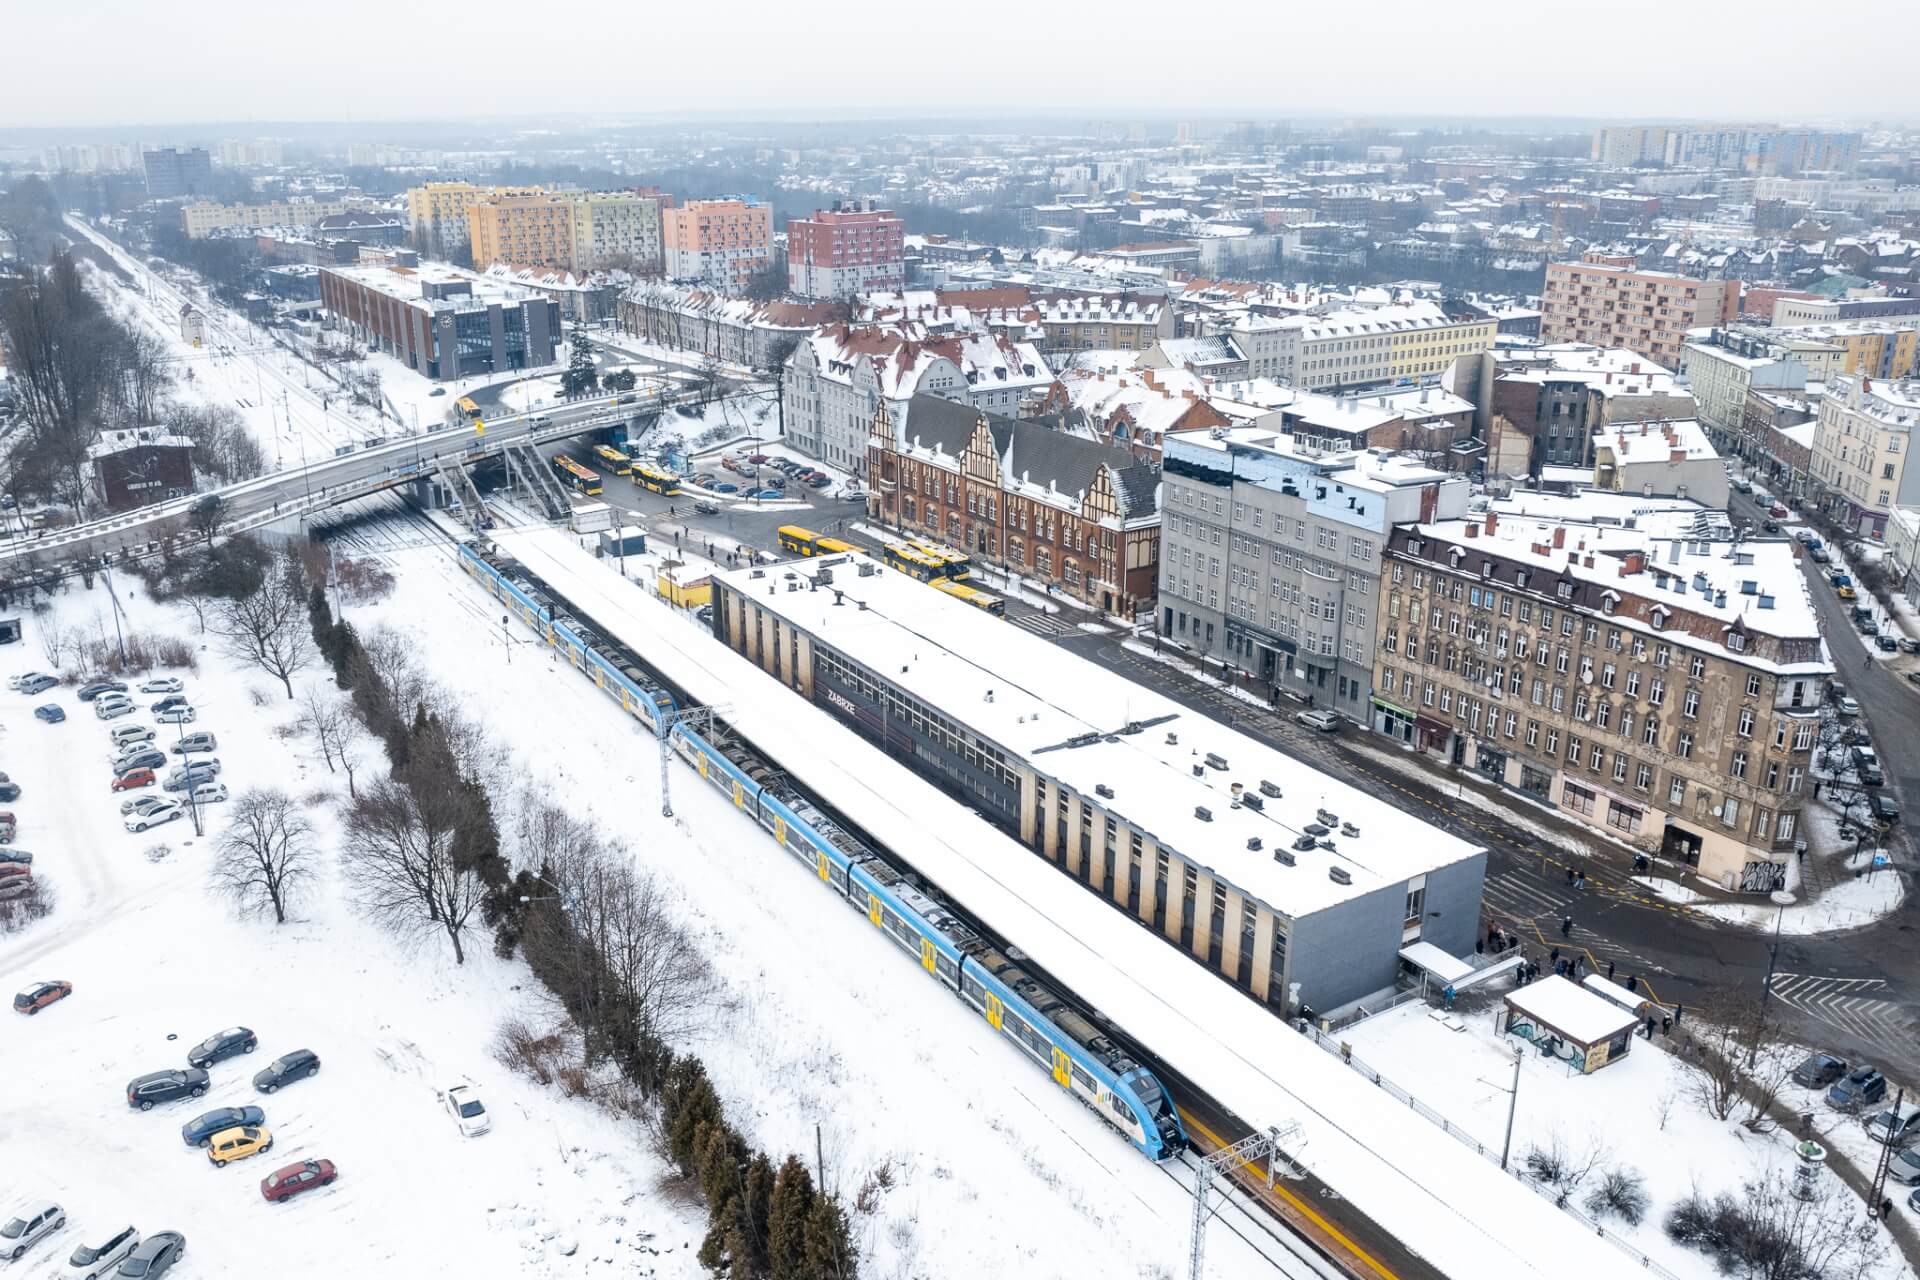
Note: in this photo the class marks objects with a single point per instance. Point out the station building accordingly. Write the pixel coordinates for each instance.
(1297, 888)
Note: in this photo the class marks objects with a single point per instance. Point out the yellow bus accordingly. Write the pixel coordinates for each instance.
(806, 542)
(571, 472)
(468, 409)
(972, 595)
(914, 562)
(617, 462)
(655, 480)
(959, 563)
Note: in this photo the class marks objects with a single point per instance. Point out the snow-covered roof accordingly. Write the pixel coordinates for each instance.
(1068, 718)
(901, 354)
(122, 439)
(1575, 1013)
(1647, 442)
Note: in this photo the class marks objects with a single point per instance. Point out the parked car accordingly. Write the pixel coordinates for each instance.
(1848, 707)
(1838, 579)
(142, 756)
(19, 682)
(767, 495)
(40, 995)
(238, 1143)
(1845, 593)
(1886, 643)
(125, 735)
(283, 1185)
(1820, 555)
(199, 1131)
(92, 1261)
(153, 1256)
(758, 459)
(222, 1045)
(9, 789)
(195, 742)
(88, 692)
(1889, 1128)
(724, 486)
(133, 779)
(50, 713)
(8, 826)
(1818, 1070)
(1905, 1166)
(1882, 807)
(16, 862)
(158, 815)
(146, 1092)
(706, 508)
(162, 684)
(208, 793)
(1909, 645)
(145, 804)
(106, 710)
(175, 715)
(1861, 1087)
(29, 1227)
(1866, 762)
(1913, 677)
(187, 777)
(289, 1067)
(37, 684)
(469, 1114)
(1314, 718)
(819, 482)
(171, 700)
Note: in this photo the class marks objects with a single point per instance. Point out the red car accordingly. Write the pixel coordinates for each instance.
(40, 995)
(758, 459)
(133, 780)
(284, 1184)
(6, 827)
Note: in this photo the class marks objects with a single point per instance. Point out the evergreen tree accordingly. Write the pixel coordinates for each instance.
(344, 643)
(755, 1212)
(698, 1108)
(787, 1214)
(743, 1257)
(829, 1253)
(581, 378)
(723, 1156)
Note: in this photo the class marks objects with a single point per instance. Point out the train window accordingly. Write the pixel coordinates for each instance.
(1121, 1109)
(946, 968)
(970, 988)
(1081, 1078)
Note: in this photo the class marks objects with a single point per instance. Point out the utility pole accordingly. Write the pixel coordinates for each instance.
(1885, 1163)
(1513, 1099)
(667, 720)
(1257, 1146)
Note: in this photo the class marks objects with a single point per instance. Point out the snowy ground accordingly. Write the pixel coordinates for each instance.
(994, 1170)
(158, 963)
(1638, 1110)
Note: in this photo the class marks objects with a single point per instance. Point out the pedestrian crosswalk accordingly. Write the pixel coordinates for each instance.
(1855, 1006)
(1538, 906)
(1043, 624)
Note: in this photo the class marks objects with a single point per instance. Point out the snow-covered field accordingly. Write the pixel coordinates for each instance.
(1638, 1112)
(821, 1028)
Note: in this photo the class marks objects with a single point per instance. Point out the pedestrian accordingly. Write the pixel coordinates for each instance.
(1816, 788)
(1569, 877)
(1649, 1026)
(1554, 954)
(1566, 926)
(1448, 993)
(1581, 883)
(1633, 982)
(1678, 1009)
(1666, 1026)
(1609, 971)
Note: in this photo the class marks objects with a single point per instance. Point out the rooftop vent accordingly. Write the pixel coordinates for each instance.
(1203, 813)
(1216, 761)
(756, 573)
(1332, 820)
(1270, 790)
(1350, 831)
(1304, 843)
(1199, 771)
(1316, 830)
(1173, 739)
(1252, 801)
(1339, 875)
(1283, 857)
(1253, 843)
(1102, 790)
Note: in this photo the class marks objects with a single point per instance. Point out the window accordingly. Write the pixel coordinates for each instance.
(1697, 666)
(1657, 691)
(1577, 798)
(1690, 705)
(1753, 686)
(1633, 684)
(1553, 742)
(1803, 736)
(1730, 812)
(1533, 733)
(1738, 766)
(1683, 746)
(1643, 776)
(1624, 817)
(1745, 728)
(1677, 793)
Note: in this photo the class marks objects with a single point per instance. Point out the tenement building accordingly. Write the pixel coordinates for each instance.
(1072, 514)
(1270, 554)
(1664, 690)
(1300, 890)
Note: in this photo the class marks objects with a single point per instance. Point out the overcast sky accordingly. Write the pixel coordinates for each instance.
(137, 62)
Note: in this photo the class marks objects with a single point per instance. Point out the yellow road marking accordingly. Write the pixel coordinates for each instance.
(1295, 1201)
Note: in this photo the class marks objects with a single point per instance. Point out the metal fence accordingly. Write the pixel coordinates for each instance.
(1343, 1051)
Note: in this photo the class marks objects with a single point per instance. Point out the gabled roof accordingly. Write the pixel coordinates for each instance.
(1034, 453)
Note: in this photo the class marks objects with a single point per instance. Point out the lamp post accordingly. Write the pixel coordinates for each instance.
(1782, 899)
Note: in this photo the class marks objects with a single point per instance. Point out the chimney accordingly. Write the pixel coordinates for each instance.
(1493, 521)
(1634, 367)
(1559, 537)
(1473, 531)
(1589, 561)
(1676, 455)
(1636, 562)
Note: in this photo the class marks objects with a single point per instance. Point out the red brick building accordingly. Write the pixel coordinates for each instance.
(1021, 496)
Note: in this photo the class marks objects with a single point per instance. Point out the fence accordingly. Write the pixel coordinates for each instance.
(1344, 1052)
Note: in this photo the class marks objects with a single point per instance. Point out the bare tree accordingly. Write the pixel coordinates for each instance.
(206, 516)
(402, 868)
(328, 718)
(269, 627)
(1738, 1067)
(265, 857)
(390, 655)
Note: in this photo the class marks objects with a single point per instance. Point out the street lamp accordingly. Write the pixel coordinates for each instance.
(1781, 899)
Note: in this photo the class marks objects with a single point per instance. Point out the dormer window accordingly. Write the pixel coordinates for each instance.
(1736, 641)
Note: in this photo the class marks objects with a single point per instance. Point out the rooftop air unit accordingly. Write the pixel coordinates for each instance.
(1102, 790)
(1215, 761)
(1339, 875)
(1203, 813)
(1270, 790)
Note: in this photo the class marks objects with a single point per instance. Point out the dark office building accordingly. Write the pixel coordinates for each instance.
(172, 173)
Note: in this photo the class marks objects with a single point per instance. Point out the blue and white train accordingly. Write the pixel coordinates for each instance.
(977, 969)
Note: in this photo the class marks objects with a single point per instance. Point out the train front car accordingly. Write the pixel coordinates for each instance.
(1155, 1106)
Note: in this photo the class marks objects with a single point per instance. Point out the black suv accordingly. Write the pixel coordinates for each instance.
(287, 1068)
(165, 1086)
(222, 1045)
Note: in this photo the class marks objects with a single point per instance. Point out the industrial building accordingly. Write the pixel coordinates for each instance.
(1296, 888)
(440, 321)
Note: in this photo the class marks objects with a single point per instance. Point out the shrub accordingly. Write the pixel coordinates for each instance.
(1622, 1193)
(519, 1047)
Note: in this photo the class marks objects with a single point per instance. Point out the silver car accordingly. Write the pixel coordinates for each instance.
(92, 1261)
(29, 1227)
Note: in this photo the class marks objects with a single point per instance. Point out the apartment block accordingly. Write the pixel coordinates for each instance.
(524, 230)
(1379, 346)
(437, 213)
(1270, 554)
(1117, 322)
(1631, 145)
(1542, 405)
(1610, 302)
(202, 218)
(1721, 366)
(1861, 448)
(173, 173)
(851, 248)
(719, 243)
(616, 229)
(1663, 690)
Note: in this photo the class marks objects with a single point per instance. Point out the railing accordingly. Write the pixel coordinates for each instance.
(1344, 1052)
